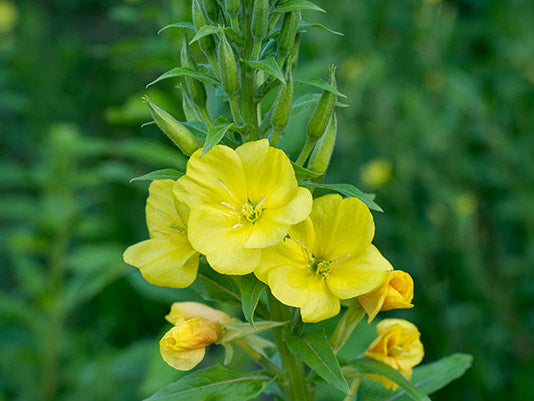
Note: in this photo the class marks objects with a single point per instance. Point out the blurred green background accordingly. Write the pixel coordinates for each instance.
(441, 128)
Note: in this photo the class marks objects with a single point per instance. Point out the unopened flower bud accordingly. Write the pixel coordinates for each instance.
(227, 66)
(196, 89)
(322, 113)
(286, 39)
(293, 58)
(282, 105)
(207, 43)
(396, 292)
(260, 19)
(190, 310)
(320, 157)
(177, 133)
(212, 9)
(233, 7)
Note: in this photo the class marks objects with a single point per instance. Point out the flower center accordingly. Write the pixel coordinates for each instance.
(320, 267)
(251, 212)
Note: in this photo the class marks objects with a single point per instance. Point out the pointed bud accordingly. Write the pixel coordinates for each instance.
(233, 7)
(260, 19)
(176, 132)
(227, 66)
(323, 111)
(282, 105)
(207, 43)
(196, 89)
(320, 158)
(286, 39)
(293, 58)
(212, 10)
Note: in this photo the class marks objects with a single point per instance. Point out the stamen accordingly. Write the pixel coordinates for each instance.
(224, 187)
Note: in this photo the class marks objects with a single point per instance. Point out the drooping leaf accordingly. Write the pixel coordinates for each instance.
(347, 190)
(269, 65)
(215, 287)
(234, 331)
(218, 383)
(303, 173)
(251, 289)
(163, 174)
(296, 5)
(316, 352)
(367, 365)
(303, 25)
(429, 378)
(215, 134)
(181, 72)
(180, 25)
(321, 84)
(205, 30)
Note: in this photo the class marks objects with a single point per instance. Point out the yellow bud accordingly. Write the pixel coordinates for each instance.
(396, 292)
(397, 345)
(190, 310)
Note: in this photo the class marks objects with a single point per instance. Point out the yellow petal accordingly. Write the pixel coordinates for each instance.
(297, 210)
(177, 358)
(286, 254)
(269, 173)
(216, 177)
(160, 209)
(386, 324)
(342, 226)
(196, 333)
(265, 232)
(189, 310)
(358, 275)
(163, 262)
(235, 261)
(299, 287)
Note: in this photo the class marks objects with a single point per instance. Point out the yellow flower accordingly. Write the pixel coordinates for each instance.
(397, 345)
(396, 292)
(239, 202)
(326, 258)
(167, 259)
(195, 327)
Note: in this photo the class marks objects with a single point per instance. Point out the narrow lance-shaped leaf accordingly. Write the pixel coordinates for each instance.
(321, 84)
(215, 287)
(296, 5)
(218, 383)
(347, 190)
(303, 173)
(316, 352)
(181, 71)
(205, 31)
(215, 134)
(251, 289)
(303, 25)
(370, 366)
(234, 331)
(308, 100)
(179, 25)
(163, 174)
(269, 65)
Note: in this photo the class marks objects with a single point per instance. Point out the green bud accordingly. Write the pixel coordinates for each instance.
(176, 132)
(260, 19)
(286, 39)
(282, 105)
(190, 110)
(293, 58)
(320, 158)
(227, 66)
(212, 9)
(233, 7)
(207, 43)
(196, 89)
(323, 111)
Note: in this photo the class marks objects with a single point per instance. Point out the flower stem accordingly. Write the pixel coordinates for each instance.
(265, 362)
(305, 152)
(293, 382)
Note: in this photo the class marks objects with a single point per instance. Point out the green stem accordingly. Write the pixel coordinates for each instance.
(205, 116)
(214, 65)
(265, 362)
(352, 316)
(276, 137)
(293, 382)
(234, 108)
(305, 152)
(354, 388)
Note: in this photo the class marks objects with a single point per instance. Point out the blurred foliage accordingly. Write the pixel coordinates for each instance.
(440, 128)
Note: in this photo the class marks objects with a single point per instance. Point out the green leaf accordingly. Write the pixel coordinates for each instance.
(251, 289)
(234, 331)
(181, 25)
(296, 5)
(181, 72)
(309, 100)
(205, 30)
(429, 378)
(218, 383)
(366, 366)
(303, 25)
(215, 287)
(321, 84)
(164, 174)
(303, 173)
(215, 134)
(315, 351)
(269, 65)
(197, 128)
(347, 190)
